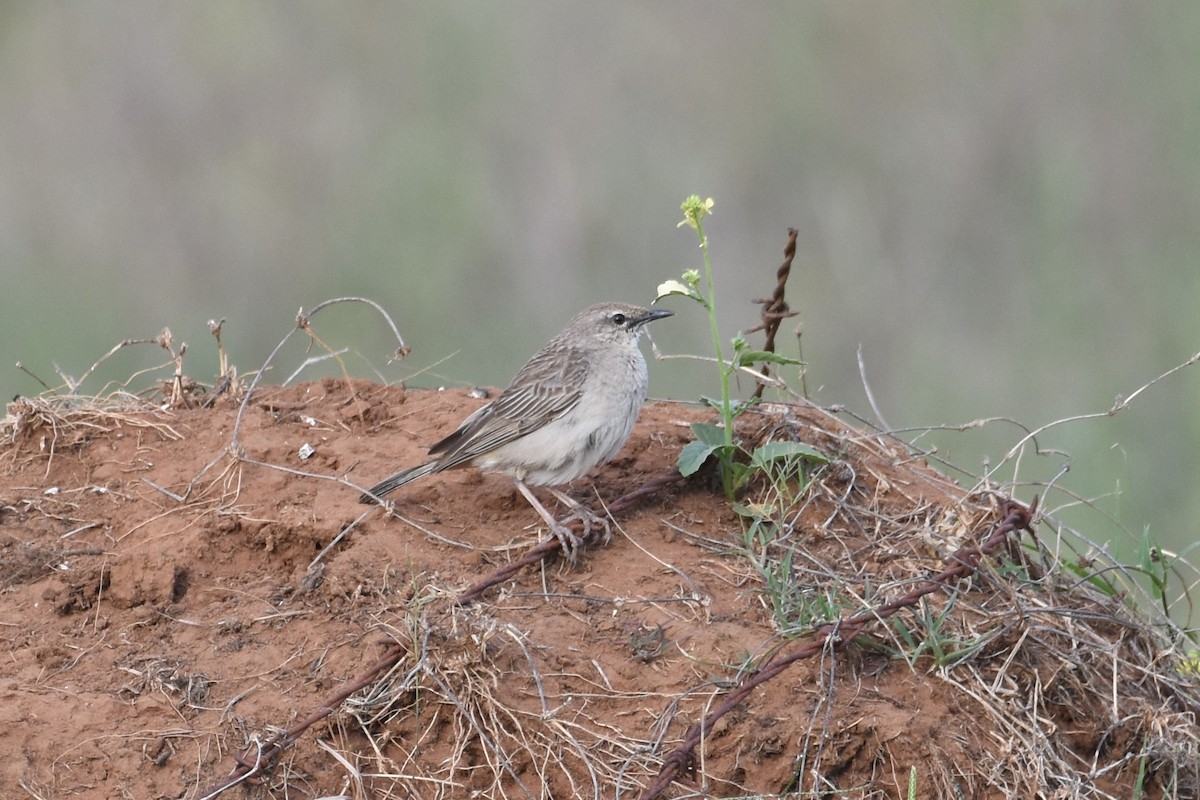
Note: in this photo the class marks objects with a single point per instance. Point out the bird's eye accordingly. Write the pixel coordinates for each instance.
(618, 318)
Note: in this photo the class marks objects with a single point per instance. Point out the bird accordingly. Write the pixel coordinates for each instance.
(571, 407)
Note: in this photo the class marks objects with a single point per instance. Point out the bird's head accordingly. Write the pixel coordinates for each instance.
(615, 321)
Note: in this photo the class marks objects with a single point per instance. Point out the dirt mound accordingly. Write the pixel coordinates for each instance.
(168, 605)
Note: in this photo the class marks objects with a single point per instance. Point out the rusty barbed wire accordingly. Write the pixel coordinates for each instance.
(775, 308)
(264, 754)
(259, 757)
(963, 562)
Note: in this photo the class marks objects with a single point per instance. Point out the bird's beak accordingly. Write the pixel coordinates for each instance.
(653, 314)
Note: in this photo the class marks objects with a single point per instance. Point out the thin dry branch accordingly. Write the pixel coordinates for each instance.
(303, 323)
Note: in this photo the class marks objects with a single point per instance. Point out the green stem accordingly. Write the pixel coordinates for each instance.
(726, 407)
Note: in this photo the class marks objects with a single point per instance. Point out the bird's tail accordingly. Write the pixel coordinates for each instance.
(387, 485)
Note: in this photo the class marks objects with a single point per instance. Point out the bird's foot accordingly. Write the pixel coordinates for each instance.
(562, 530)
(585, 515)
(570, 541)
(590, 520)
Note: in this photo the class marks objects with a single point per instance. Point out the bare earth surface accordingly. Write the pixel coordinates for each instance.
(160, 615)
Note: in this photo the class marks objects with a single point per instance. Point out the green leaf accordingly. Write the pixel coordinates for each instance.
(709, 433)
(693, 456)
(715, 402)
(736, 407)
(668, 288)
(763, 357)
(774, 451)
(747, 511)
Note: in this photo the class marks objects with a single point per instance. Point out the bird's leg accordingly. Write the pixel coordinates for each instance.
(567, 538)
(584, 514)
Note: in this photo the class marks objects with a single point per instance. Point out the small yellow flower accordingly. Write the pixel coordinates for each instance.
(694, 209)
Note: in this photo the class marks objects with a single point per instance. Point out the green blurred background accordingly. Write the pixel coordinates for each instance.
(1000, 202)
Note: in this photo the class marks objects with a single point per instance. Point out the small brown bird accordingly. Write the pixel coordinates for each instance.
(571, 407)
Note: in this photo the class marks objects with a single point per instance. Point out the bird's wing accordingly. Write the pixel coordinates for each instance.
(547, 387)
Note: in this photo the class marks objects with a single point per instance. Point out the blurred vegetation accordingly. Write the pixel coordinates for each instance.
(997, 201)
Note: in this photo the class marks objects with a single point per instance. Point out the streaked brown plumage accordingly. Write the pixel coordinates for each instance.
(571, 407)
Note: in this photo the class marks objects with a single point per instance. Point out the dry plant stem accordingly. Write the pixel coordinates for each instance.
(161, 340)
(757, 375)
(314, 360)
(1120, 404)
(221, 387)
(342, 534)
(862, 373)
(962, 563)
(25, 369)
(775, 308)
(302, 320)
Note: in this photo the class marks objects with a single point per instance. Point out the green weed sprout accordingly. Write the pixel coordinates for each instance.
(717, 440)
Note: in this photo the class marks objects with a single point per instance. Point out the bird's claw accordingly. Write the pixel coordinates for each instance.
(570, 541)
(591, 519)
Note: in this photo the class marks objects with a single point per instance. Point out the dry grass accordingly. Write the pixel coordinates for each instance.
(1066, 676)
(1067, 686)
